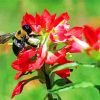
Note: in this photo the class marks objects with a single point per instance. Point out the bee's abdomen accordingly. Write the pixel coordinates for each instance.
(16, 49)
(18, 45)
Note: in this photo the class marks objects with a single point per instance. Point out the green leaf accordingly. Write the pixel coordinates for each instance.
(87, 65)
(72, 86)
(60, 82)
(97, 87)
(68, 65)
(71, 65)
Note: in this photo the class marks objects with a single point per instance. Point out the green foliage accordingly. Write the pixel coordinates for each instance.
(68, 65)
(72, 86)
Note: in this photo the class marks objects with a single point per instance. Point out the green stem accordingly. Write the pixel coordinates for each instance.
(32, 78)
(48, 83)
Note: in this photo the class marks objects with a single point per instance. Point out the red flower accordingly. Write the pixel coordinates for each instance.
(51, 30)
(23, 62)
(63, 73)
(31, 59)
(46, 21)
(56, 27)
(64, 35)
(58, 35)
(92, 36)
(19, 87)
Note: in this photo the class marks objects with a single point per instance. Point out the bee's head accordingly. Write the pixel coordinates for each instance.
(23, 32)
(27, 28)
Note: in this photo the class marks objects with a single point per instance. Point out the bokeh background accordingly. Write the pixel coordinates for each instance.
(81, 12)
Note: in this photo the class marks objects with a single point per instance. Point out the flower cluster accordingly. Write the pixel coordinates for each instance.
(57, 40)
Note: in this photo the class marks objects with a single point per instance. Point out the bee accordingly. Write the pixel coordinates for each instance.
(21, 38)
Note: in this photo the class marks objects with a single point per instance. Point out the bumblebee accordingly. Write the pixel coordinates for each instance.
(21, 38)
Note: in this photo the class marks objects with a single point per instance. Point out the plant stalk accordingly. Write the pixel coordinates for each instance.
(48, 84)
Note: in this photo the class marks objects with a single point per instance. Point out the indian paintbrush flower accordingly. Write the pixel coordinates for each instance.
(52, 32)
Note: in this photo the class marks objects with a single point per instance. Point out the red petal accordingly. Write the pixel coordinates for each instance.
(47, 20)
(26, 66)
(75, 31)
(51, 59)
(18, 89)
(96, 46)
(51, 23)
(61, 54)
(23, 63)
(37, 19)
(62, 60)
(18, 75)
(58, 57)
(63, 73)
(98, 32)
(90, 35)
(62, 34)
(73, 48)
(42, 54)
(61, 18)
(51, 36)
(28, 19)
(26, 55)
(46, 13)
(58, 36)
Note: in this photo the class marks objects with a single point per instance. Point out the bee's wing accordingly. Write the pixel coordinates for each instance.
(6, 37)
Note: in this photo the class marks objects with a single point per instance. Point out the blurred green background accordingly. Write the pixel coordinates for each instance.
(81, 12)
